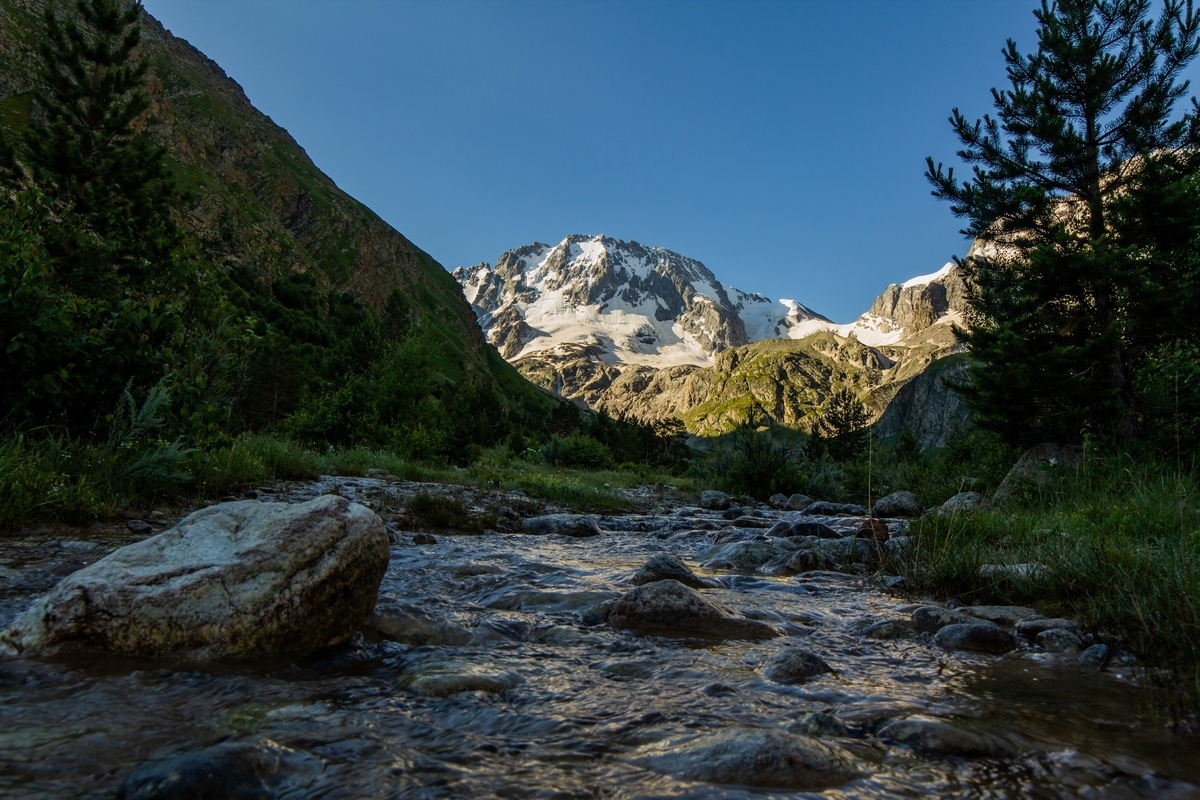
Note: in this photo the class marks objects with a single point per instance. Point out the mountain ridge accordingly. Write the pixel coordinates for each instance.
(651, 334)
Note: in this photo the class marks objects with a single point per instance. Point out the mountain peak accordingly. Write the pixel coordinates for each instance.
(626, 301)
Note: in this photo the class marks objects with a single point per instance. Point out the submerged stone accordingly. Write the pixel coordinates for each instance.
(668, 607)
(575, 525)
(795, 665)
(762, 759)
(945, 738)
(234, 770)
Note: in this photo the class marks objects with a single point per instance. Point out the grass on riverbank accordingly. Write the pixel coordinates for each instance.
(55, 479)
(1118, 544)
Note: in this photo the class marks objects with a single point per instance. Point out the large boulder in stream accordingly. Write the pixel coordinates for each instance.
(230, 580)
(672, 609)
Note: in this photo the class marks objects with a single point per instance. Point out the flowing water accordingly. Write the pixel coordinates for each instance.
(560, 706)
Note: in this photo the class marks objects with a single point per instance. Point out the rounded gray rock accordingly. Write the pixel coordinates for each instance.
(979, 637)
(795, 665)
(961, 503)
(899, 504)
(1032, 627)
(714, 500)
(1060, 640)
(665, 566)
(931, 619)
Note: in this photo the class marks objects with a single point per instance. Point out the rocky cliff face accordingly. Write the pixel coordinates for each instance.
(904, 310)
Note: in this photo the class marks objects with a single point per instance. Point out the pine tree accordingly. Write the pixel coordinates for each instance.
(1070, 265)
(842, 426)
(89, 147)
(112, 249)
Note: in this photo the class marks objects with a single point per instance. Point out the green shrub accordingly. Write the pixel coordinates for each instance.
(752, 462)
(440, 512)
(579, 451)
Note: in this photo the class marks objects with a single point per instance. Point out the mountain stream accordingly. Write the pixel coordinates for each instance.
(521, 692)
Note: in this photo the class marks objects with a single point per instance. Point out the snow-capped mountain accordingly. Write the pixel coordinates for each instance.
(646, 332)
(625, 302)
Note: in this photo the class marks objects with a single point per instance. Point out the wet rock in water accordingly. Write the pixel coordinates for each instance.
(576, 525)
(1060, 640)
(826, 509)
(763, 759)
(872, 717)
(874, 530)
(732, 513)
(898, 504)
(714, 500)
(746, 556)
(409, 623)
(139, 526)
(820, 725)
(753, 522)
(1095, 655)
(1035, 625)
(424, 538)
(891, 629)
(444, 684)
(780, 529)
(234, 770)
(234, 579)
(979, 637)
(791, 562)
(795, 665)
(817, 529)
(944, 738)
(1000, 615)
(670, 608)
(667, 567)
(961, 503)
(931, 619)
(779, 501)
(798, 502)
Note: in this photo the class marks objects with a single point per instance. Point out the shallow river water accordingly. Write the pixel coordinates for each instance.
(563, 707)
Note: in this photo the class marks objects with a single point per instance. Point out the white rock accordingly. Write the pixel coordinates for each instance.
(232, 579)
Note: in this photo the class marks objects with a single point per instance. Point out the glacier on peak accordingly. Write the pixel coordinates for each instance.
(625, 303)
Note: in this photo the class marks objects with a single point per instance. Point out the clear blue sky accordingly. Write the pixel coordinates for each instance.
(781, 143)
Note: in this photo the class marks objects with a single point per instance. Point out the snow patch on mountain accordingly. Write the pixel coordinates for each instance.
(925, 280)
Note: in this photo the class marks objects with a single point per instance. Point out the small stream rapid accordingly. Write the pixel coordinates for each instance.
(555, 705)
